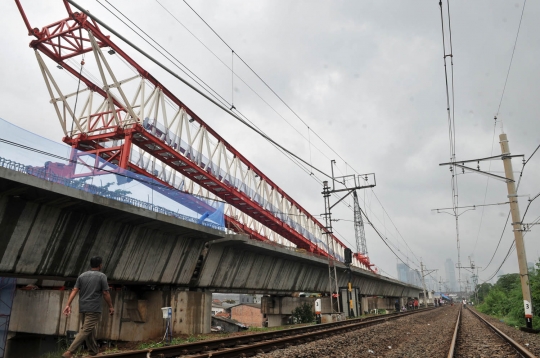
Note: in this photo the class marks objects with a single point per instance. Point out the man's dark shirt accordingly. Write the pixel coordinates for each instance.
(91, 285)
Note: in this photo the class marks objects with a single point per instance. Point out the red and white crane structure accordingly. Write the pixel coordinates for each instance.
(138, 124)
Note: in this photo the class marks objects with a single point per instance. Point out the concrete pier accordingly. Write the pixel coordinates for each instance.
(49, 232)
(138, 314)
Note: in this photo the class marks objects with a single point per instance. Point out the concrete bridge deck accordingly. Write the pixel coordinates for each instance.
(48, 230)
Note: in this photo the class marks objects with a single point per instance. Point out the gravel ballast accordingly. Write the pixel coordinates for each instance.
(475, 339)
(425, 334)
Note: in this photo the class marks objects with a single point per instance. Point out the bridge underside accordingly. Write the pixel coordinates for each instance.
(48, 230)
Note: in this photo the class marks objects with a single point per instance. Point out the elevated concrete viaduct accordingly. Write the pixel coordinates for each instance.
(49, 231)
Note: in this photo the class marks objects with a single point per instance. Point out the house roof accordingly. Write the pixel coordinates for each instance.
(254, 305)
(228, 320)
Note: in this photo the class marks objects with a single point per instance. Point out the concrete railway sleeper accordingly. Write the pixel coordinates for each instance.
(476, 337)
(250, 345)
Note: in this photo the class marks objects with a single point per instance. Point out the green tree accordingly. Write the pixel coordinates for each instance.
(508, 282)
(483, 291)
(304, 313)
(504, 299)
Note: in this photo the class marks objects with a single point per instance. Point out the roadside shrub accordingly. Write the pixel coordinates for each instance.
(304, 313)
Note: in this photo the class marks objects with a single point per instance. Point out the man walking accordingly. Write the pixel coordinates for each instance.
(92, 286)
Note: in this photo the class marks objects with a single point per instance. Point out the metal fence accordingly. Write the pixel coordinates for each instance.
(45, 174)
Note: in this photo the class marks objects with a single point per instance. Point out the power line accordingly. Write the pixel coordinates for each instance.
(219, 105)
(279, 97)
(511, 58)
(487, 185)
(208, 89)
(496, 115)
(395, 227)
(450, 109)
(296, 159)
(263, 81)
(211, 91)
(508, 217)
(245, 83)
(502, 234)
(384, 239)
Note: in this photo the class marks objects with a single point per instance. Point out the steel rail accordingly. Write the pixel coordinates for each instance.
(454, 337)
(518, 347)
(235, 346)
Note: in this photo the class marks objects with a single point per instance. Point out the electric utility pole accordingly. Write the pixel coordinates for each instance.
(350, 183)
(518, 232)
(514, 210)
(470, 268)
(424, 280)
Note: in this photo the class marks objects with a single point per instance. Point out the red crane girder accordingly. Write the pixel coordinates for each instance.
(66, 39)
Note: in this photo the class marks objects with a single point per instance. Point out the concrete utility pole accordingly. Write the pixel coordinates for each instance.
(518, 232)
(423, 283)
(424, 280)
(514, 209)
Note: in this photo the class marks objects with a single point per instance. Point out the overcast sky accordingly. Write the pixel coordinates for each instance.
(368, 78)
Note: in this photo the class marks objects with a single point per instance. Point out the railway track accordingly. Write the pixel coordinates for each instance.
(250, 345)
(476, 337)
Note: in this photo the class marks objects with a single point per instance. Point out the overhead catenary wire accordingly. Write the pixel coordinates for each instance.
(234, 53)
(486, 190)
(262, 80)
(293, 158)
(511, 59)
(283, 101)
(216, 103)
(383, 239)
(450, 109)
(300, 162)
(232, 114)
(496, 118)
(208, 88)
(508, 217)
(243, 81)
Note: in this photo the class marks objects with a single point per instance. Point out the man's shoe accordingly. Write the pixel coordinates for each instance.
(67, 354)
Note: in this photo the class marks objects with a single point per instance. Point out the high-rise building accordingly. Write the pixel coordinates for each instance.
(450, 275)
(415, 278)
(403, 272)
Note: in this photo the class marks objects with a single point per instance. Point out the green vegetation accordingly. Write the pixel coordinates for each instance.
(304, 313)
(504, 299)
(174, 341)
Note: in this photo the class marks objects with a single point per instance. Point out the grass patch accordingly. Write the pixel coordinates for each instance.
(175, 341)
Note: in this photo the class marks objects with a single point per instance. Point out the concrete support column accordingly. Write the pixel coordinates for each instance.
(137, 317)
(364, 305)
(403, 302)
(192, 312)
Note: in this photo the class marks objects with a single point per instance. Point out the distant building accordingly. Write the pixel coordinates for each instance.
(217, 308)
(232, 299)
(247, 298)
(414, 278)
(248, 314)
(226, 325)
(403, 272)
(450, 275)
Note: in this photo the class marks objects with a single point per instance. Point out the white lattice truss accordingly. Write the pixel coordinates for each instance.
(150, 107)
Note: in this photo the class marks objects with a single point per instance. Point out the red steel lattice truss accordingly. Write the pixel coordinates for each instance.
(154, 133)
